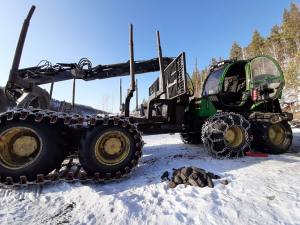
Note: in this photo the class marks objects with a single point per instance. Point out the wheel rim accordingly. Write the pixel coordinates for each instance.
(276, 134)
(112, 148)
(234, 136)
(19, 147)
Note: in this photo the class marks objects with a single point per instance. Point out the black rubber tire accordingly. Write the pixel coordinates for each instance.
(88, 158)
(54, 149)
(262, 142)
(191, 138)
(215, 131)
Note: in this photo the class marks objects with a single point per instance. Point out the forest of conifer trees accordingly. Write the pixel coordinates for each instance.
(283, 45)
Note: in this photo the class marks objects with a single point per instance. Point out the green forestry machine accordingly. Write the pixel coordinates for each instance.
(239, 109)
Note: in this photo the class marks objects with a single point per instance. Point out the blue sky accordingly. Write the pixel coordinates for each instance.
(66, 31)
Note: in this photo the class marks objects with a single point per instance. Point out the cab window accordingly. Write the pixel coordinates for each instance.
(213, 82)
(263, 68)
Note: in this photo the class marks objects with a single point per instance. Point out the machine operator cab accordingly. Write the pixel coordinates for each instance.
(232, 82)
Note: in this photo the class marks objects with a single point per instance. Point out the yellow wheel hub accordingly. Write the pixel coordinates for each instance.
(276, 134)
(234, 136)
(112, 147)
(24, 146)
(19, 147)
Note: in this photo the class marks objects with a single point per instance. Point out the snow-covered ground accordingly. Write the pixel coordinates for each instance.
(143, 199)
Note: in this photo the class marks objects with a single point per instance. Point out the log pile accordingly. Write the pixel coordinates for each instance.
(192, 176)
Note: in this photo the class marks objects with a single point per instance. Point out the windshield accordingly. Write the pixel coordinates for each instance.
(213, 82)
(263, 68)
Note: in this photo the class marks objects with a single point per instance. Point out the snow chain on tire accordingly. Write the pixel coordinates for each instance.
(209, 128)
(190, 138)
(74, 120)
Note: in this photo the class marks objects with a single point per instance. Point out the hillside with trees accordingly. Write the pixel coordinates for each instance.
(283, 45)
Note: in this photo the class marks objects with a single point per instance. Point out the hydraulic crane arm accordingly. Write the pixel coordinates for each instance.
(46, 73)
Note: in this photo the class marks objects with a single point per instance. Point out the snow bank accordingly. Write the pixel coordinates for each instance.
(143, 199)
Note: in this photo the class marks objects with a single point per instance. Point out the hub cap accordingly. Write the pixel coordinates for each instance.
(276, 134)
(19, 147)
(112, 148)
(234, 136)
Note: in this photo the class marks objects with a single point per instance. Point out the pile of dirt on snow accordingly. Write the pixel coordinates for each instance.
(193, 176)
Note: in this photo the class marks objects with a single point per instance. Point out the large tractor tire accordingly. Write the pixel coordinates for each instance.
(191, 138)
(227, 135)
(111, 150)
(29, 148)
(271, 138)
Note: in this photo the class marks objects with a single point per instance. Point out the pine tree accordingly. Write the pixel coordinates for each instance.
(213, 62)
(294, 9)
(190, 85)
(290, 29)
(206, 72)
(274, 45)
(275, 30)
(196, 79)
(236, 51)
(256, 45)
(285, 15)
(220, 59)
(291, 78)
(203, 75)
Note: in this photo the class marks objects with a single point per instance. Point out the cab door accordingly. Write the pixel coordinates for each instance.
(266, 79)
